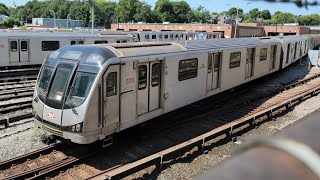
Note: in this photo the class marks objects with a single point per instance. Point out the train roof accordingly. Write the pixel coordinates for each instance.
(58, 35)
(135, 49)
(227, 43)
(290, 38)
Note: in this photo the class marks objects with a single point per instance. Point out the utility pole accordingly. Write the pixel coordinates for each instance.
(237, 19)
(54, 18)
(92, 17)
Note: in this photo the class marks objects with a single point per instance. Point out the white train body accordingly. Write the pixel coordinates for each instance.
(31, 48)
(19, 49)
(86, 93)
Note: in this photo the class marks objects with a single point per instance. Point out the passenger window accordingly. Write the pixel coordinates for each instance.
(155, 75)
(118, 41)
(112, 84)
(103, 42)
(124, 40)
(154, 37)
(166, 36)
(14, 46)
(263, 54)
(24, 46)
(81, 42)
(188, 69)
(235, 59)
(73, 42)
(143, 75)
(210, 63)
(50, 45)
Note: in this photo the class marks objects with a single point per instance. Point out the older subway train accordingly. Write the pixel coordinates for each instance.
(86, 93)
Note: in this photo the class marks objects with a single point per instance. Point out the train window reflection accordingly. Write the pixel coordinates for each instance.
(143, 77)
(50, 45)
(188, 69)
(81, 88)
(155, 75)
(14, 46)
(263, 54)
(235, 59)
(59, 84)
(43, 81)
(112, 84)
(24, 46)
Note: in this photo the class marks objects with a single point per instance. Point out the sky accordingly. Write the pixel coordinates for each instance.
(221, 5)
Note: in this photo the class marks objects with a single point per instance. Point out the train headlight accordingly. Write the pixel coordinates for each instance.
(78, 127)
(73, 128)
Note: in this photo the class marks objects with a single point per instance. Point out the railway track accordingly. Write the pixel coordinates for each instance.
(14, 97)
(126, 158)
(39, 163)
(230, 122)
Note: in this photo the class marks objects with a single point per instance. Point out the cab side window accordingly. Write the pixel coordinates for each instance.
(111, 84)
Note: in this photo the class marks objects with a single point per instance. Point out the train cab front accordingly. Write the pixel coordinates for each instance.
(61, 94)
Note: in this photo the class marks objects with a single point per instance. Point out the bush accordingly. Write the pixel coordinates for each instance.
(10, 22)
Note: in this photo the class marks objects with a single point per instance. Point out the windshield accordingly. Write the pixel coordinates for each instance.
(59, 84)
(80, 89)
(43, 81)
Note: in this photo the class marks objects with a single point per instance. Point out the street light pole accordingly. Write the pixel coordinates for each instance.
(68, 20)
(54, 18)
(92, 17)
(235, 30)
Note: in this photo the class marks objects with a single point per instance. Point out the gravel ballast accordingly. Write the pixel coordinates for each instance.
(218, 154)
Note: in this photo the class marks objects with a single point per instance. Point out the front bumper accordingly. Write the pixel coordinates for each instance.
(78, 138)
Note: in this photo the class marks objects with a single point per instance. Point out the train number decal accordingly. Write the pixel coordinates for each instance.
(129, 80)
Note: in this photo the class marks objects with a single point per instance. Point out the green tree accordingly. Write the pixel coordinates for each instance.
(144, 13)
(3, 9)
(309, 20)
(266, 14)
(10, 22)
(164, 10)
(105, 13)
(182, 12)
(202, 15)
(233, 12)
(127, 9)
(282, 18)
(80, 11)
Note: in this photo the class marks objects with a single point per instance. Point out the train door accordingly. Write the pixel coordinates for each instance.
(19, 50)
(250, 62)
(214, 61)
(273, 56)
(111, 95)
(149, 83)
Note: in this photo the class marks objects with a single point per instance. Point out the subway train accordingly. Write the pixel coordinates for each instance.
(31, 48)
(86, 93)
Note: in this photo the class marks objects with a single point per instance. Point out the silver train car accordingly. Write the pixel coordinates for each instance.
(86, 93)
(31, 48)
(23, 49)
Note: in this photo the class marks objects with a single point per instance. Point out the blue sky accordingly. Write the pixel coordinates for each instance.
(220, 5)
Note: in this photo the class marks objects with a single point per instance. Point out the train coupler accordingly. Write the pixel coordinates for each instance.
(48, 139)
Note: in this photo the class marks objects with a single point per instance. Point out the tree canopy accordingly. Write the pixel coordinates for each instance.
(107, 12)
